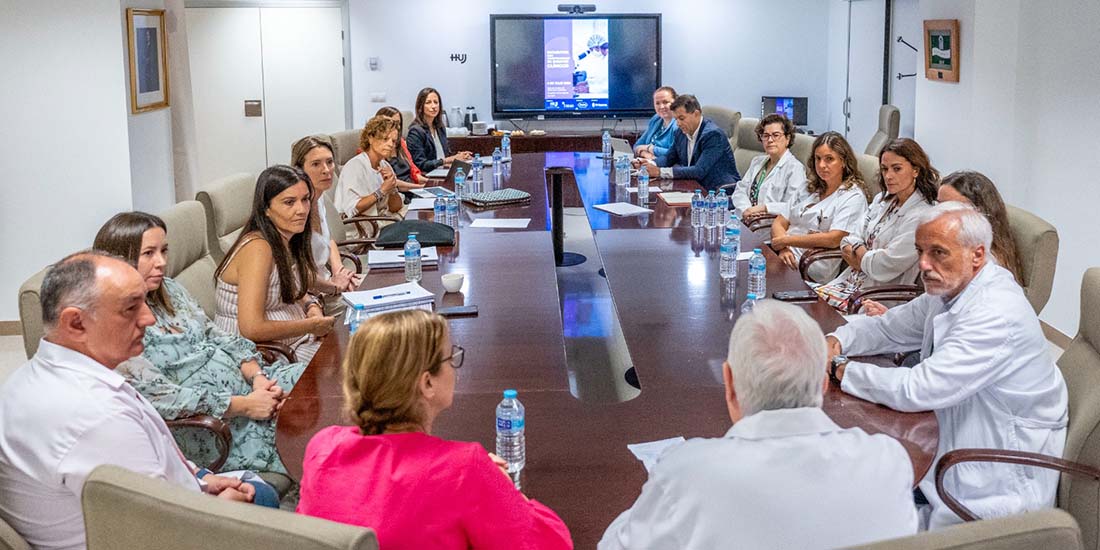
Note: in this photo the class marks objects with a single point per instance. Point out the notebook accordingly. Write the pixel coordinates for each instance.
(380, 259)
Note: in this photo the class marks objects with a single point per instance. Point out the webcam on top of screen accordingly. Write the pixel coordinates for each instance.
(576, 9)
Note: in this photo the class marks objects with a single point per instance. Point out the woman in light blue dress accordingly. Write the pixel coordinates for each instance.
(660, 134)
(190, 366)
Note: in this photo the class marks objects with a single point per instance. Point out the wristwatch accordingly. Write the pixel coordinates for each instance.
(838, 360)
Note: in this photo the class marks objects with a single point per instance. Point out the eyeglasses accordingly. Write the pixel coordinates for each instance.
(771, 137)
(458, 354)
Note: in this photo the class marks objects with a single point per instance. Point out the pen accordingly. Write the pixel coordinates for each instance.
(380, 296)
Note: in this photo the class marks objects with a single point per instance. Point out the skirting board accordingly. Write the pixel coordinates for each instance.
(10, 328)
(1055, 336)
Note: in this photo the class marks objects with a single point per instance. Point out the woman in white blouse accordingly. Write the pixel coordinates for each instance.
(832, 208)
(883, 251)
(367, 183)
(775, 179)
(314, 155)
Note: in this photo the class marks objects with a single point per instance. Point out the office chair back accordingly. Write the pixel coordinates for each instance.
(128, 511)
(1080, 365)
(1047, 529)
(228, 203)
(748, 147)
(1037, 250)
(726, 119)
(189, 259)
(889, 125)
(10, 540)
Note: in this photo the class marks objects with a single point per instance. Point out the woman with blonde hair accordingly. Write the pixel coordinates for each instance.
(388, 472)
(832, 208)
(367, 183)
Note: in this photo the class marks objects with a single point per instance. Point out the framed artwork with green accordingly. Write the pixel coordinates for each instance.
(941, 49)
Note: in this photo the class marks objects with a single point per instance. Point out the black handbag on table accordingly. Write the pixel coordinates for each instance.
(427, 234)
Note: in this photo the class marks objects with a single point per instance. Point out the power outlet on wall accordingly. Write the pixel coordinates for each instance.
(378, 97)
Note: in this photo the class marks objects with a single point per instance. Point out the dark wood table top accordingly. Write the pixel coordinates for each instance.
(675, 314)
(527, 143)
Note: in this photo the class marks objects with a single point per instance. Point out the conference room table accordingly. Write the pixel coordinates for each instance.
(675, 313)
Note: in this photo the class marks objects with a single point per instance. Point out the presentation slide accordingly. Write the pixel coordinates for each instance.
(569, 66)
(576, 70)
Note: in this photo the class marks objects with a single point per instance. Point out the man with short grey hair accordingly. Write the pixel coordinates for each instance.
(985, 369)
(785, 475)
(66, 411)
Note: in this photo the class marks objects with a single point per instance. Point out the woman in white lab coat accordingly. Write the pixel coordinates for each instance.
(833, 207)
(883, 253)
(775, 179)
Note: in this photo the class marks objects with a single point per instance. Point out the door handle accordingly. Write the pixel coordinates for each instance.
(847, 107)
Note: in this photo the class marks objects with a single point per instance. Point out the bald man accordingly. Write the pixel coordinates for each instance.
(66, 411)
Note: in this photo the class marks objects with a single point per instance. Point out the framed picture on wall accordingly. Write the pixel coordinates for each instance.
(941, 49)
(148, 59)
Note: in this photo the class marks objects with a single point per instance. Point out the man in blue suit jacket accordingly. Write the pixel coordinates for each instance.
(701, 151)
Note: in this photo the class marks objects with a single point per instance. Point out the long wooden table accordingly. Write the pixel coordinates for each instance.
(675, 314)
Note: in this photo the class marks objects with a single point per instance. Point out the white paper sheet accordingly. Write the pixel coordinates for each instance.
(744, 255)
(421, 204)
(396, 257)
(649, 452)
(438, 173)
(502, 223)
(623, 209)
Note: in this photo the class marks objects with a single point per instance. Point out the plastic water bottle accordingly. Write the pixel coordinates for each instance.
(606, 144)
(452, 212)
(622, 170)
(475, 169)
(750, 302)
(723, 203)
(733, 234)
(643, 186)
(460, 183)
(498, 156)
(357, 317)
(412, 259)
(506, 146)
(727, 259)
(697, 209)
(511, 443)
(712, 210)
(439, 210)
(758, 273)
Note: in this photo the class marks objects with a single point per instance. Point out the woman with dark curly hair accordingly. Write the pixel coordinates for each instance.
(883, 252)
(389, 473)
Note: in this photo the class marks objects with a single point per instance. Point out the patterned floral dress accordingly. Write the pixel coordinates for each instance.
(190, 366)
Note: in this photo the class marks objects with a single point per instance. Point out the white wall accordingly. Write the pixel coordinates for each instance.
(718, 50)
(906, 22)
(64, 147)
(150, 134)
(1019, 115)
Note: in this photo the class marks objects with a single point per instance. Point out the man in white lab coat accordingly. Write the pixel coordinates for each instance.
(985, 369)
(785, 475)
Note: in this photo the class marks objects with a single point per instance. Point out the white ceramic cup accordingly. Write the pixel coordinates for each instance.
(452, 282)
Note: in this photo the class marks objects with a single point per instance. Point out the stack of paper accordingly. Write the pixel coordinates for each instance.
(676, 198)
(623, 209)
(433, 192)
(440, 172)
(379, 259)
(422, 204)
(390, 298)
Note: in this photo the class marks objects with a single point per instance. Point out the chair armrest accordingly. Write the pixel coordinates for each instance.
(1037, 460)
(356, 246)
(728, 186)
(893, 293)
(813, 255)
(271, 350)
(359, 221)
(223, 438)
(354, 260)
(760, 221)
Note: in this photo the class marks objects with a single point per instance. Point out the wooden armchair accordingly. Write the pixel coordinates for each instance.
(1079, 491)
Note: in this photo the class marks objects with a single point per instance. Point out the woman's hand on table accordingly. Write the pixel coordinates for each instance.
(321, 325)
(788, 258)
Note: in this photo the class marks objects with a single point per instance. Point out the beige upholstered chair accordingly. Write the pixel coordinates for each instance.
(30, 312)
(1037, 249)
(1079, 490)
(868, 168)
(10, 540)
(726, 119)
(128, 511)
(802, 148)
(748, 147)
(228, 203)
(1045, 530)
(889, 124)
(347, 146)
(189, 260)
